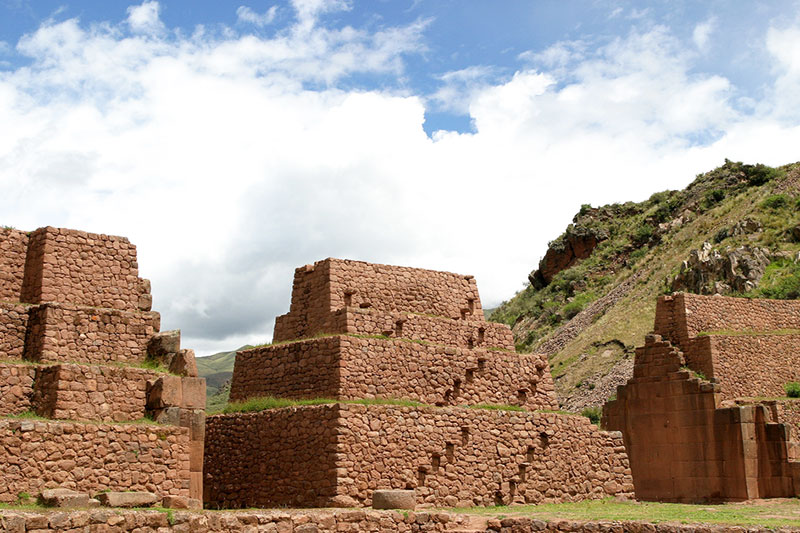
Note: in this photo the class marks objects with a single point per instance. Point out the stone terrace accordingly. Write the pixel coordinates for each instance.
(80, 346)
(398, 333)
(690, 432)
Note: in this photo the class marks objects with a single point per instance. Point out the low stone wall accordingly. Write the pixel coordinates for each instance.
(65, 332)
(13, 325)
(16, 388)
(275, 457)
(329, 521)
(346, 367)
(333, 284)
(13, 249)
(36, 455)
(339, 454)
(82, 268)
(91, 392)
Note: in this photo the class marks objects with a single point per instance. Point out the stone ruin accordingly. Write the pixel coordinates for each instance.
(416, 344)
(81, 349)
(696, 417)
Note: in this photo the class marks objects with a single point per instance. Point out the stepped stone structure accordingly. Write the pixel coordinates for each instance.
(696, 423)
(417, 340)
(78, 343)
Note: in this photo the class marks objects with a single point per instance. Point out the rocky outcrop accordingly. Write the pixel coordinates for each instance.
(711, 271)
(577, 243)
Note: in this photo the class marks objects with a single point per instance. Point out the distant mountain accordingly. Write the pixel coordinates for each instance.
(217, 369)
(734, 230)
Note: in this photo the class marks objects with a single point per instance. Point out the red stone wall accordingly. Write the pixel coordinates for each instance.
(16, 388)
(333, 284)
(13, 249)
(684, 315)
(436, 330)
(68, 266)
(90, 458)
(683, 447)
(84, 392)
(755, 365)
(451, 456)
(13, 325)
(64, 332)
(277, 457)
(346, 367)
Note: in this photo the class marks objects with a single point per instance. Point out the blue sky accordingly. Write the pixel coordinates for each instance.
(234, 141)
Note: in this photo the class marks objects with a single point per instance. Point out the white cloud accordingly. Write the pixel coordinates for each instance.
(144, 18)
(247, 15)
(213, 155)
(459, 88)
(702, 33)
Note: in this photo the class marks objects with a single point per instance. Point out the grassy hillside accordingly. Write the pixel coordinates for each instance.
(588, 314)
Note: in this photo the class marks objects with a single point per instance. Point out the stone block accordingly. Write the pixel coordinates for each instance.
(394, 499)
(63, 498)
(127, 499)
(164, 344)
(184, 364)
(170, 416)
(166, 391)
(193, 392)
(181, 502)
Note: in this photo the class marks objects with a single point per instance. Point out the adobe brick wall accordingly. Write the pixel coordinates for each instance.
(684, 447)
(13, 249)
(346, 367)
(275, 457)
(436, 330)
(16, 388)
(684, 315)
(65, 332)
(329, 520)
(69, 266)
(84, 392)
(13, 325)
(333, 284)
(449, 455)
(90, 458)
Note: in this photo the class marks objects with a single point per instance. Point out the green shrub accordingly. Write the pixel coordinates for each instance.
(584, 209)
(593, 414)
(643, 234)
(792, 389)
(760, 174)
(776, 201)
(713, 197)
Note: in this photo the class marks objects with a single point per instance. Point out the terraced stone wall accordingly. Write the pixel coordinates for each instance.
(347, 367)
(37, 455)
(13, 250)
(334, 284)
(338, 454)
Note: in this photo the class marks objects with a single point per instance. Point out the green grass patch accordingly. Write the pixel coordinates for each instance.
(748, 332)
(778, 514)
(792, 389)
(496, 407)
(269, 402)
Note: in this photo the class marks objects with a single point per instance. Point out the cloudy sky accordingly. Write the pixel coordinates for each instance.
(233, 142)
